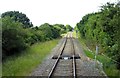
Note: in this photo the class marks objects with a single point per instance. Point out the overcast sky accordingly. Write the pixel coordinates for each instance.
(53, 11)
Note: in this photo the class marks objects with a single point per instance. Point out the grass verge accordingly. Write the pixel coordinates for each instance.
(109, 66)
(23, 64)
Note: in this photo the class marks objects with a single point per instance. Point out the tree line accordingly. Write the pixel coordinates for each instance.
(18, 33)
(102, 29)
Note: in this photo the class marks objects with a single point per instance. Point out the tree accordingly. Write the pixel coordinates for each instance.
(103, 28)
(61, 28)
(13, 37)
(69, 28)
(49, 31)
(20, 17)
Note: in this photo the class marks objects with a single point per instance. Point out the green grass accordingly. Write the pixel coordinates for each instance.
(62, 35)
(74, 34)
(89, 54)
(0, 70)
(23, 64)
(109, 66)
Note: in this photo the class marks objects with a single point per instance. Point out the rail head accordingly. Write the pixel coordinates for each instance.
(74, 62)
(61, 51)
(56, 62)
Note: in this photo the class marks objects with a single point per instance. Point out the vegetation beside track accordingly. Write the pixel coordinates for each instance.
(101, 29)
(109, 66)
(24, 63)
(19, 37)
(18, 33)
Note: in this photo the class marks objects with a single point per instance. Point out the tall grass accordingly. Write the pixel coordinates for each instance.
(24, 63)
(109, 66)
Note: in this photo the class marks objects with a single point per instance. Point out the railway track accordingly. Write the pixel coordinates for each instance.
(65, 63)
(67, 60)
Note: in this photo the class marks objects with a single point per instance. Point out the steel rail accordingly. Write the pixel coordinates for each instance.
(74, 62)
(56, 62)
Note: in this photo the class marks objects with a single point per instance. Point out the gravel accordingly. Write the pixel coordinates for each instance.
(85, 66)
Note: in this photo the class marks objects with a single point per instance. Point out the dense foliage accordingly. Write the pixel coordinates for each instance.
(102, 29)
(18, 35)
(13, 38)
(61, 28)
(20, 17)
(50, 31)
(69, 28)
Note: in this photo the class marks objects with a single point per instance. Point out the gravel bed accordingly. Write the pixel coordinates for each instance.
(85, 66)
(44, 68)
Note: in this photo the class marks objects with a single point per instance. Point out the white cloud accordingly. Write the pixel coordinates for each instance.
(53, 11)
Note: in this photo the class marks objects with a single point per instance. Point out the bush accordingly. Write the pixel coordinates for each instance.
(61, 28)
(18, 35)
(12, 37)
(102, 29)
(49, 31)
(20, 17)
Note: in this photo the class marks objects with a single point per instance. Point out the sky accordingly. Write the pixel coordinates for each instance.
(53, 11)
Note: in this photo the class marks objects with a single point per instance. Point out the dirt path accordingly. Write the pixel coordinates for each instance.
(85, 66)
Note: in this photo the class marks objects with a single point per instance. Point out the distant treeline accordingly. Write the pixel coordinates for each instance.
(18, 32)
(103, 29)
